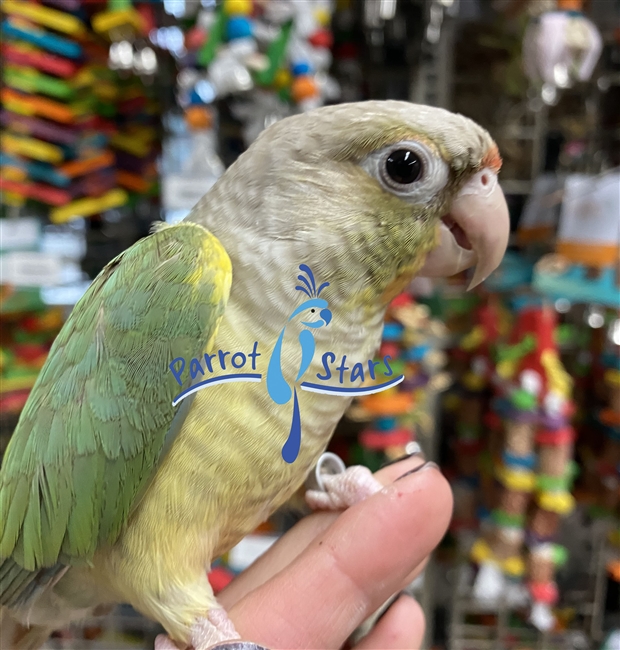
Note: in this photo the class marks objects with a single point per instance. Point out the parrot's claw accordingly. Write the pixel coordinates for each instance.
(206, 633)
(215, 628)
(343, 490)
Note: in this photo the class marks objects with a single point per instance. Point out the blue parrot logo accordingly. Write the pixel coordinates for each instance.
(316, 315)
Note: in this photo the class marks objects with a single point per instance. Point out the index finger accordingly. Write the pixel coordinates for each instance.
(350, 569)
(295, 541)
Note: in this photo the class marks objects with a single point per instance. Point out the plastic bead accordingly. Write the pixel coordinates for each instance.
(238, 27)
(389, 349)
(237, 7)
(302, 68)
(391, 331)
(283, 79)
(514, 566)
(303, 88)
(198, 117)
(195, 38)
(523, 400)
(322, 38)
(195, 99)
(544, 592)
(322, 16)
(385, 423)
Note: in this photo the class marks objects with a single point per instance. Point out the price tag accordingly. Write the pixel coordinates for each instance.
(30, 269)
(248, 550)
(19, 234)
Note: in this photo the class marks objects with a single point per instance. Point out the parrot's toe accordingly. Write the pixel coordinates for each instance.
(343, 490)
(215, 629)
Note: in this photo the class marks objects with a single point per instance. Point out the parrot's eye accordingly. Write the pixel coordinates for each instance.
(312, 311)
(404, 166)
(409, 169)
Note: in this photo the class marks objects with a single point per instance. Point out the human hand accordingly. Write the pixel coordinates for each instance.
(333, 570)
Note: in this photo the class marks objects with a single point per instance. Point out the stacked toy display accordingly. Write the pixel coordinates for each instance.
(535, 471)
(608, 467)
(75, 136)
(272, 56)
(27, 335)
(474, 432)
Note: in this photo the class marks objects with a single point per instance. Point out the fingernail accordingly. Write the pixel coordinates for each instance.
(413, 449)
(427, 465)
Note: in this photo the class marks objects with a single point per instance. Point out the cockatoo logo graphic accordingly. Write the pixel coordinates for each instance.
(313, 314)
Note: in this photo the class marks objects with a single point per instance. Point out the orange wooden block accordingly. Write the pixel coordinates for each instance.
(85, 166)
(379, 404)
(34, 105)
(132, 182)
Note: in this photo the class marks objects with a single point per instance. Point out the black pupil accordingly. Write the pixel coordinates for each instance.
(403, 166)
(312, 310)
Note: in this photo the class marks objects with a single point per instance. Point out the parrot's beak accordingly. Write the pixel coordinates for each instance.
(326, 315)
(474, 232)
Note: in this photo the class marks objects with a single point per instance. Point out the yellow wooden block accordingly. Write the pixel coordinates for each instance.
(13, 174)
(131, 145)
(58, 20)
(21, 108)
(31, 148)
(109, 20)
(88, 207)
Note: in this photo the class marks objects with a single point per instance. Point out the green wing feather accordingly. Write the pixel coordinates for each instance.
(96, 422)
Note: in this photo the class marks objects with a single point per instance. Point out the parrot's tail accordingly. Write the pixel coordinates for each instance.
(14, 636)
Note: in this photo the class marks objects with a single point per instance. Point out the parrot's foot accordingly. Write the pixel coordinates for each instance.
(206, 632)
(162, 642)
(339, 491)
(216, 628)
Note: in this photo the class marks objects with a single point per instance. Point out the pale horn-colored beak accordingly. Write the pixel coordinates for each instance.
(475, 231)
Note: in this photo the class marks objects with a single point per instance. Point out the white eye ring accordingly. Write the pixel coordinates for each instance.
(433, 178)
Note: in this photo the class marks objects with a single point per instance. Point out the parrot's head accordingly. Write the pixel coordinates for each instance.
(372, 192)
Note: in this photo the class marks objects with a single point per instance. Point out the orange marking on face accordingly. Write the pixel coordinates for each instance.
(492, 159)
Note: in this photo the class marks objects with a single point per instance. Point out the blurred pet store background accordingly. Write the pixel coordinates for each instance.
(116, 114)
